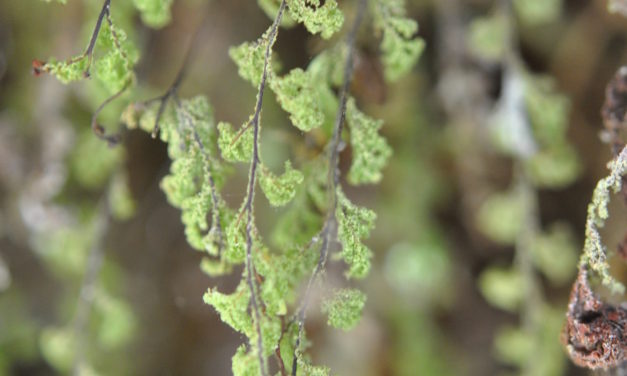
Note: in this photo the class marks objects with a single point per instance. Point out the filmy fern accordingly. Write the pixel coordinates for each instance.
(265, 306)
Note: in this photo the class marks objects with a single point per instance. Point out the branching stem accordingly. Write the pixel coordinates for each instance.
(248, 206)
(333, 182)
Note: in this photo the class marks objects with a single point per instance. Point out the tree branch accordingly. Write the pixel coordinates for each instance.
(248, 207)
(333, 179)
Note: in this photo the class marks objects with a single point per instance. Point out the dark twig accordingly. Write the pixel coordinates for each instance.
(215, 198)
(248, 207)
(39, 66)
(334, 177)
(98, 129)
(89, 52)
(173, 89)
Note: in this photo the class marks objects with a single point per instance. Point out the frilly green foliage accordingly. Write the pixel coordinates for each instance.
(113, 61)
(235, 146)
(354, 225)
(594, 252)
(318, 16)
(297, 95)
(232, 308)
(154, 13)
(244, 363)
(235, 251)
(399, 46)
(195, 173)
(344, 308)
(307, 369)
(249, 58)
(280, 189)
(201, 151)
(271, 7)
(303, 213)
(370, 150)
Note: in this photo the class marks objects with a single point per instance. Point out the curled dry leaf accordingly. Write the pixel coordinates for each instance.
(594, 334)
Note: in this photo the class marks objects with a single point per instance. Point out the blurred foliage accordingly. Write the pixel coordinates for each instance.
(459, 216)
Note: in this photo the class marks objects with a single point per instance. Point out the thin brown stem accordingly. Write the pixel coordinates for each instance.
(248, 206)
(89, 51)
(333, 182)
(98, 129)
(173, 89)
(215, 198)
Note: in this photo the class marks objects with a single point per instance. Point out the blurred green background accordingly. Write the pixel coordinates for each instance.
(468, 216)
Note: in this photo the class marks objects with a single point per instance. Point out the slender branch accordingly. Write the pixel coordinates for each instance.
(89, 52)
(333, 179)
(87, 291)
(172, 93)
(215, 198)
(98, 129)
(40, 66)
(277, 351)
(248, 207)
(173, 89)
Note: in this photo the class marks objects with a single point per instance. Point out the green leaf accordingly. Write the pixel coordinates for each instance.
(235, 147)
(514, 345)
(555, 253)
(92, 161)
(486, 37)
(354, 224)
(280, 189)
(399, 46)
(121, 202)
(344, 308)
(370, 151)
(556, 167)
(500, 217)
(249, 58)
(535, 12)
(58, 346)
(154, 13)
(232, 308)
(245, 363)
(117, 327)
(271, 8)
(318, 16)
(296, 93)
(547, 109)
(503, 288)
